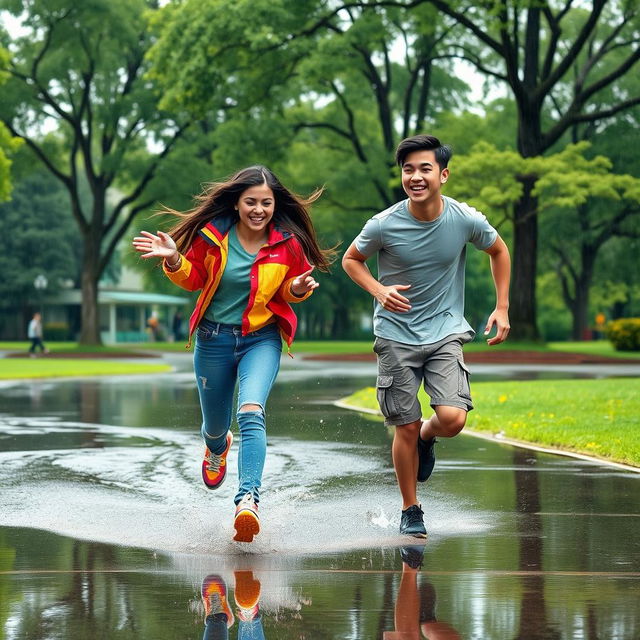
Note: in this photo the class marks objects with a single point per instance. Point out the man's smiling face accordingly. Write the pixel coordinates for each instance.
(422, 177)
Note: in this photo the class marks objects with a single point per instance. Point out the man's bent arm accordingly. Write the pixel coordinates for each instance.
(353, 262)
(501, 273)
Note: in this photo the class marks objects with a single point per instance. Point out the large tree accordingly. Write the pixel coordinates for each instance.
(584, 202)
(78, 68)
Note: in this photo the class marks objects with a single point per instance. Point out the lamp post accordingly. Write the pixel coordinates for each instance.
(40, 283)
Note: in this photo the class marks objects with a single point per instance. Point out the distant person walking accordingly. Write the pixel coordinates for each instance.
(250, 248)
(419, 320)
(34, 333)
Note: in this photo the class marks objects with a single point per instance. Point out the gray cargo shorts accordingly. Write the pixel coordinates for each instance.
(401, 367)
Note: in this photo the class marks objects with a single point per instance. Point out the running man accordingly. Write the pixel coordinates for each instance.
(419, 323)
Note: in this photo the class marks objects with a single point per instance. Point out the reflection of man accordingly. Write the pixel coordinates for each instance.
(415, 605)
(218, 615)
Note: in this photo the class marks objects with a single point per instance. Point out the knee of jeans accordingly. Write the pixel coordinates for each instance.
(250, 412)
(252, 407)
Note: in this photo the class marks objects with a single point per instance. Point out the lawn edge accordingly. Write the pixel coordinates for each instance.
(522, 444)
(171, 369)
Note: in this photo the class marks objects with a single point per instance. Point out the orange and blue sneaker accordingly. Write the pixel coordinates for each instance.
(214, 598)
(214, 466)
(247, 522)
(247, 595)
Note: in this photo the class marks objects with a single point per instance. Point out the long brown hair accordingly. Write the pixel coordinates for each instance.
(291, 212)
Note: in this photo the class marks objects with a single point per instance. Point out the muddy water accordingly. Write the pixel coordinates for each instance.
(105, 531)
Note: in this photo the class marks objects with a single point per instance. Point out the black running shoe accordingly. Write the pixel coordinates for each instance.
(426, 458)
(413, 555)
(411, 522)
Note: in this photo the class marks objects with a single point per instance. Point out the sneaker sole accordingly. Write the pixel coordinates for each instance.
(247, 591)
(246, 525)
(416, 535)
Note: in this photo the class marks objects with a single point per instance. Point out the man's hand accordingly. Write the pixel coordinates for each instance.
(304, 283)
(391, 300)
(499, 318)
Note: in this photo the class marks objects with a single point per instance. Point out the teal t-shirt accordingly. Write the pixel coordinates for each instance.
(429, 256)
(232, 295)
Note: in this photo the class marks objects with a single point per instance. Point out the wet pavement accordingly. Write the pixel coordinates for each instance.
(105, 531)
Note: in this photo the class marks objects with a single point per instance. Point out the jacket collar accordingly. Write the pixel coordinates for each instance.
(218, 228)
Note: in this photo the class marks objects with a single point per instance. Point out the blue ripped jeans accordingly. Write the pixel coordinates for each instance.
(216, 629)
(223, 356)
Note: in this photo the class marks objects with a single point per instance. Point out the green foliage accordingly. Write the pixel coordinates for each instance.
(220, 53)
(554, 319)
(624, 334)
(492, 179)
(39, 237)
(8, 143)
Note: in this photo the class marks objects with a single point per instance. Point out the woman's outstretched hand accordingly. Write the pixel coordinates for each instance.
(303, 283)
(160, 246)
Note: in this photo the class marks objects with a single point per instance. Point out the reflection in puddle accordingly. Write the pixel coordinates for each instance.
(521, 544)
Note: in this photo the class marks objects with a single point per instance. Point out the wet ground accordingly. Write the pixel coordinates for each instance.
(106, 532)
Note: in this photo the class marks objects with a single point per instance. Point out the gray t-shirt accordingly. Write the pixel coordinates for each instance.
(429, 256)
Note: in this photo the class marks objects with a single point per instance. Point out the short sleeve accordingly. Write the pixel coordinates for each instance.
(483, 235)
(369, 240)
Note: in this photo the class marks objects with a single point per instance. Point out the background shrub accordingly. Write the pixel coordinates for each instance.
(624, 334)
(56, 332)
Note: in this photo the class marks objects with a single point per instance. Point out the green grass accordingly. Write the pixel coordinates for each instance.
(56, 368)
(594, 348)
(594, 417)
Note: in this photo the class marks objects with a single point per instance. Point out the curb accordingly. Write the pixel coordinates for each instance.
(513, 443)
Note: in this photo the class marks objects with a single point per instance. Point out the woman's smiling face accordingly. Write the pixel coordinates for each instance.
(255, 208)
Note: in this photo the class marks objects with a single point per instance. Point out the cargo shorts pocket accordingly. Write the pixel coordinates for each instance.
(384, 392)
(464, 389)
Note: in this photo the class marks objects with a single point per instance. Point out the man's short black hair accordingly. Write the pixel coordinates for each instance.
(424, 143)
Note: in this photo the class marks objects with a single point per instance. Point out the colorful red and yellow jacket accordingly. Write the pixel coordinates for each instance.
(276, 265)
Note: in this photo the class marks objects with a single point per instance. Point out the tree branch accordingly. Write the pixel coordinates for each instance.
(122, 229)
(574, 50)
(144, 180)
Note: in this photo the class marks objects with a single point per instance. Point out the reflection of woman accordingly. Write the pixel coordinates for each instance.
(218, 615)
(247, 246)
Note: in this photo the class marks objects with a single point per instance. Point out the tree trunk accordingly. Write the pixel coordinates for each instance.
(580, 307)
(522, 308)
(90, 318)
